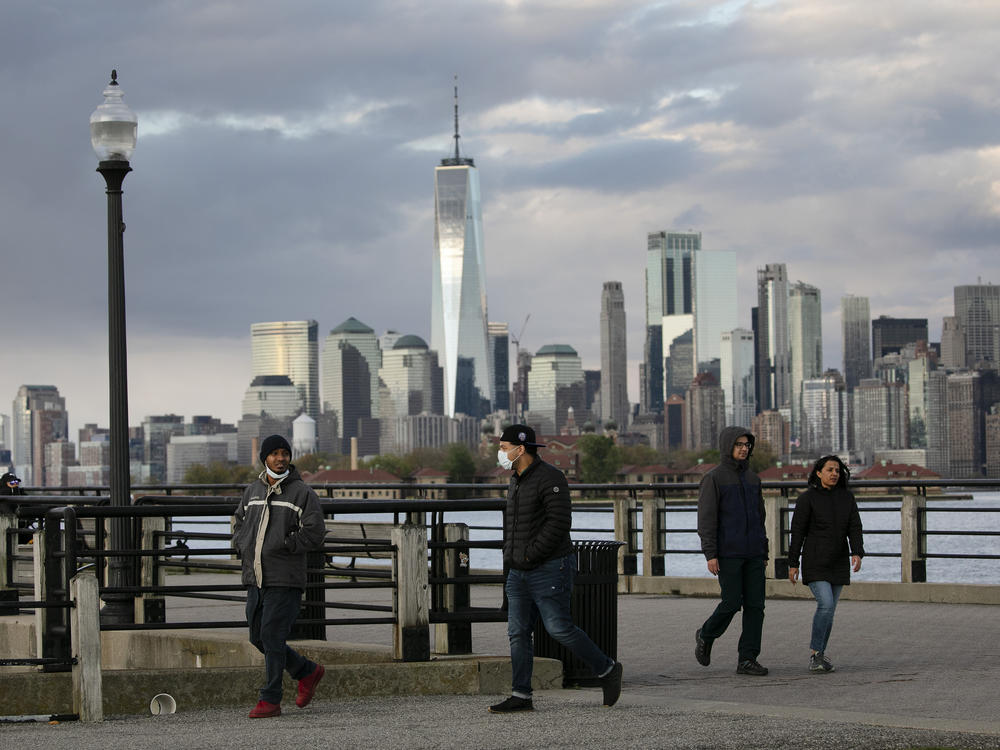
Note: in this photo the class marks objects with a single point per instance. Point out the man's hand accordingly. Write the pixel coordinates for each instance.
(793, 575)
(713, 566)
(856, 562)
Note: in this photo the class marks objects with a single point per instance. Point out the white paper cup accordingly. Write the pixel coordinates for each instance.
(162, 703)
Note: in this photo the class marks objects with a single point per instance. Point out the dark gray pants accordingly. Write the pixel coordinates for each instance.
(271, 613)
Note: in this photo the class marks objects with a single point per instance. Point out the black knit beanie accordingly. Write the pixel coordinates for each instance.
(272, 443)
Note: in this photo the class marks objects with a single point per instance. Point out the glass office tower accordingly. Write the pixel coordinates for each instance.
(289, 347)
(458, 291)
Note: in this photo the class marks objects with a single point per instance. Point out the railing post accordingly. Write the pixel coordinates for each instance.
(411, 635)
(88, 699)
(912, 544)
(773, 506)
(653, 562)
(627, 556)
(38, 573)
(454, 637)
(56, 633)
(150, 607)
(8, 546)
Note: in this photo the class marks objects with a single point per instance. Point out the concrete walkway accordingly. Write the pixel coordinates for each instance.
(908, 675)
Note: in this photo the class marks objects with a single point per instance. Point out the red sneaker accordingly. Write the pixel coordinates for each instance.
(307, 686)
(265, 710)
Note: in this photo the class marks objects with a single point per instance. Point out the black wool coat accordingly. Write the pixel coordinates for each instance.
(826, 530)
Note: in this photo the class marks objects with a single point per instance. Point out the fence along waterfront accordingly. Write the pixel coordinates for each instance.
(641, 516)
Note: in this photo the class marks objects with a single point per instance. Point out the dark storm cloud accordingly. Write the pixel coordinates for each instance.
(286, 153)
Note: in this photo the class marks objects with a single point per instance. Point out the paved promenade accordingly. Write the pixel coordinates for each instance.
(908, 675)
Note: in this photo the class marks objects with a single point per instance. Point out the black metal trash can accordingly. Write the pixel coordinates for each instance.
(594, 608)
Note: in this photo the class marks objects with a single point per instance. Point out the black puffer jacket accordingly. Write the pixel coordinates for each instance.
(730, 504)
(537, 518)
(823, 523)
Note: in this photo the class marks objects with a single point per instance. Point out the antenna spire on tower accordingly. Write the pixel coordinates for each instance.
(456, 118)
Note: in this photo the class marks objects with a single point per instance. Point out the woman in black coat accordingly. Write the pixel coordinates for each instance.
(826, 519)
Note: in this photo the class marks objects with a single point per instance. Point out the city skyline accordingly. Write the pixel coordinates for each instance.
(808, 143)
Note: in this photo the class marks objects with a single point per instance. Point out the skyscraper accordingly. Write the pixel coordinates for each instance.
(669, 291)
(706, 412)
(555, 383)
(338, 385)
(736, 367)
(499, 335)
(38, 417)
(351, 361)
(952, 344)
(881, 419)
(289, 348)
(890, 335)
(458, 286)
(824, 415)
(977, 307)
(614, 357)
(773, 362)
(970, 397)
(855, 321)
(714, 303)
(805, 334)
(408, 372)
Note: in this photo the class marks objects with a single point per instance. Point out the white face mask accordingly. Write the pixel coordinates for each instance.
(504, 461)
(274, 475)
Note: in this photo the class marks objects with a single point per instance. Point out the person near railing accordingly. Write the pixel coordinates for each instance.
(825, 521)
(277, 522)
(734, 542)
(10, 485)
(542, 565)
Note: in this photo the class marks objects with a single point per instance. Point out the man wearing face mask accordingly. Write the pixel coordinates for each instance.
(277, 522)
(542, 565)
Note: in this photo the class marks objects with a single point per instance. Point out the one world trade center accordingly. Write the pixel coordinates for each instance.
(458, 295)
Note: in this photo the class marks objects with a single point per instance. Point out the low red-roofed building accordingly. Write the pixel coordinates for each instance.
(786, 473)
(887, 470)
(432, 477)
(696, 473)
(356, 476)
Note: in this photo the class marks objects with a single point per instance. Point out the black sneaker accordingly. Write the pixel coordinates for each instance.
(702, 649)
(512, 705)
(819, 662)
(611, 684)
(750, 667)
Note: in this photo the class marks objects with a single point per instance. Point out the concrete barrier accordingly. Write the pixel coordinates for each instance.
(872, 591)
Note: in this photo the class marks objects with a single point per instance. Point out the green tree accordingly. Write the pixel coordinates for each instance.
(308, 463)
(600, 459)
(460, 464)
(219, 472)
(763, 457)
(400, 466)
(640, 455)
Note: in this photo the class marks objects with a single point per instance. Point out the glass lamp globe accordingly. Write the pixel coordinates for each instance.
(113, 125)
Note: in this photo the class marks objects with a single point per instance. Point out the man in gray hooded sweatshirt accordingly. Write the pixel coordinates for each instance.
(276, 523)
(734, 542)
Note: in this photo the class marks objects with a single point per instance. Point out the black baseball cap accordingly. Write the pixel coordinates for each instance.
(520, 434)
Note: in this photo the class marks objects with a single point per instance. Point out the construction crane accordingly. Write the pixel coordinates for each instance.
(516, 341)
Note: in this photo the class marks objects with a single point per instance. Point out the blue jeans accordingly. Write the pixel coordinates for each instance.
(826, 604)
(271, 613)
(545, 592)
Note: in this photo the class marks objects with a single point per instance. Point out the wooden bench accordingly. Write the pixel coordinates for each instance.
(357, 539)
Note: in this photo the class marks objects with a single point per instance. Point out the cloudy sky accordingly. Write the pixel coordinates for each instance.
(286, 153)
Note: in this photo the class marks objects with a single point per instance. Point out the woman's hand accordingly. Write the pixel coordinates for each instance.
(856, 562)
(793, 575)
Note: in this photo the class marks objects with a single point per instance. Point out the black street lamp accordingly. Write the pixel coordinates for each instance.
(113, 133)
